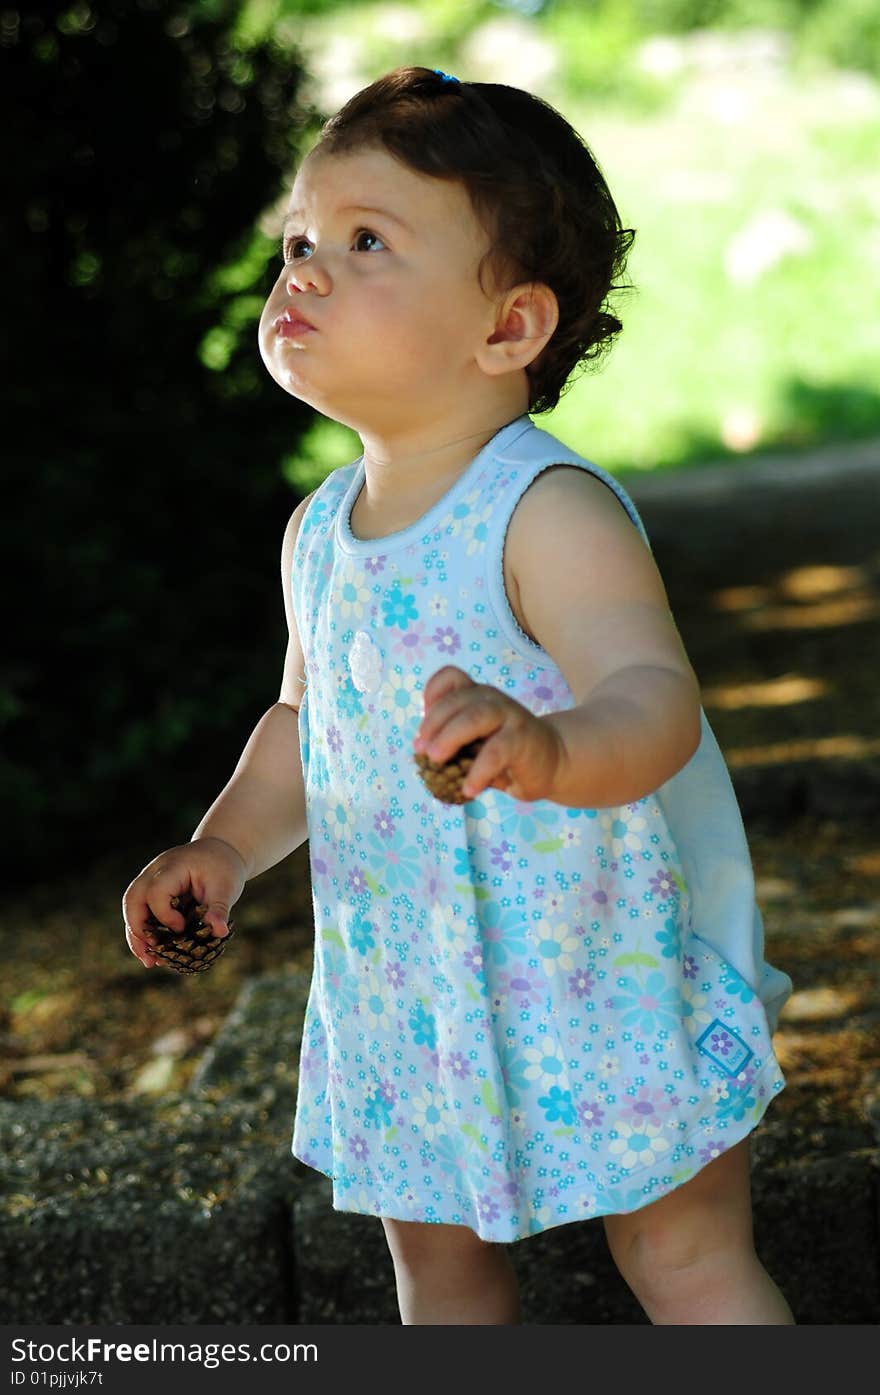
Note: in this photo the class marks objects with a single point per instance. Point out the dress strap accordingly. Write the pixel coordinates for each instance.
(517, 468)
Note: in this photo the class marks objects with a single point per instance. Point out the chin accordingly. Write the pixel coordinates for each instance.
(293, 384)
(283, 369)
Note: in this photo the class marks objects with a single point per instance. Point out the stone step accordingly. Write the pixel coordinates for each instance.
(255, 1055)
(163, 1213)
(137, 1213)
(193, 1210)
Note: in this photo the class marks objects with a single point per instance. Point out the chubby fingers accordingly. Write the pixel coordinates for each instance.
(140, 945)
(448, 679)
(521, 758)
(457, 713)
(489, 768)
(139, 900)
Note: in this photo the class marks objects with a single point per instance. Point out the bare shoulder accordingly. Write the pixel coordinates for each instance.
(561, 490)
(293, 677)
(567, 511)
(582, 581)
(291, 533)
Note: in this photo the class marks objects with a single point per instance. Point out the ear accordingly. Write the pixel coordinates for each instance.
(526, 319)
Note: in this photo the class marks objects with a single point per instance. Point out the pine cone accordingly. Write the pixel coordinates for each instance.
(193, 949)
(445, 780)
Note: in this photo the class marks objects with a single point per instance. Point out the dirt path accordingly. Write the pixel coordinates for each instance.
(773, 574)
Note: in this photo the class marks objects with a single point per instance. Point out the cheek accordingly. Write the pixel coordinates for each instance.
(266, 339)
(397, 304)
(263, 333)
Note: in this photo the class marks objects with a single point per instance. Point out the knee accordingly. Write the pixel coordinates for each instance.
(667, 1263)
(661, 1252)
(417, 1244)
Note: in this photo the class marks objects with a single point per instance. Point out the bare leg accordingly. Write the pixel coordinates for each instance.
(689, 1257)
(447, 1275)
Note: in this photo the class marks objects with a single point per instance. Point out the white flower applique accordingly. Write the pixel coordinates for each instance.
(365, 661)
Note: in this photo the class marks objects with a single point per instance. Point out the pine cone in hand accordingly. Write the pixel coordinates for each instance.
(193, 949)
(445, 780)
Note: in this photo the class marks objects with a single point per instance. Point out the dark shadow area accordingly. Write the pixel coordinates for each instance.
(776, 591)
(144, 504)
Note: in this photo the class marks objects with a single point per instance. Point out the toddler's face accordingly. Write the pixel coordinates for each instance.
(382, 265)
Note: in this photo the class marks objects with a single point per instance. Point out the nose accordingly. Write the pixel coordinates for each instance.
(308, 275)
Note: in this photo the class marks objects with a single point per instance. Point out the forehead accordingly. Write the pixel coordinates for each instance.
(374, 178)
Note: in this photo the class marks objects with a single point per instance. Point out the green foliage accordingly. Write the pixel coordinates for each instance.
(144, 439)
(598, 42)
(595, 50)
(846, 33)
(327, 445)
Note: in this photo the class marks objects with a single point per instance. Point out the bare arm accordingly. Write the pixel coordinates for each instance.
(261, 812)
(631, 735)
(596, 602)
(588, 591)
(253, 823)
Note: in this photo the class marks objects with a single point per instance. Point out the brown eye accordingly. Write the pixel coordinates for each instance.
(365, 232)
(288, 251)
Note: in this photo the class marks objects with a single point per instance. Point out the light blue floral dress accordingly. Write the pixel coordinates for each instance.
(520, 1014)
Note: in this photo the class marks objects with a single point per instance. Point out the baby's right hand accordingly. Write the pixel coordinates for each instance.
(212, 869)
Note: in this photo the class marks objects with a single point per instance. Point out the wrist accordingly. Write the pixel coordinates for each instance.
(241, 857)
(575, 769)
(632, 734)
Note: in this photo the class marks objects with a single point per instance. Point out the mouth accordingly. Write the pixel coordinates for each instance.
(290, 324)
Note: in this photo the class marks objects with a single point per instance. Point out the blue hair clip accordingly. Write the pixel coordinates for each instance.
(447, 77)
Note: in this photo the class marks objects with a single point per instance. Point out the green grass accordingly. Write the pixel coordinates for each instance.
(796, 349)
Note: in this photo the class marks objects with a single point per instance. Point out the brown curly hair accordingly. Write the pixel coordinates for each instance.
(533, 183)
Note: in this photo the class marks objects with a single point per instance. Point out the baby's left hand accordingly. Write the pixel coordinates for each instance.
(522, 753)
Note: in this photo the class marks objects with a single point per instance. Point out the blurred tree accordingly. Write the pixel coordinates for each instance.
(144, 500)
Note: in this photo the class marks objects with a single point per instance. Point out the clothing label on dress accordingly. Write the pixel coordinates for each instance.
(722, 1045)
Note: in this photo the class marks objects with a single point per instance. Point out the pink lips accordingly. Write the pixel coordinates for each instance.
(291, 325)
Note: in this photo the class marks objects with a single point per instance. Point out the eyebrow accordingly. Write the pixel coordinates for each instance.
(294, 214)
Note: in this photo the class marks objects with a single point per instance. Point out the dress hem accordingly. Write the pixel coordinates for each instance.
(771, 1066)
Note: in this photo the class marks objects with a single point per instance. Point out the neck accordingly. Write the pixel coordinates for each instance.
(403, 466)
